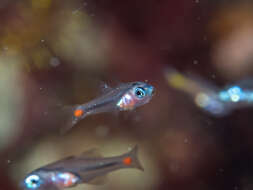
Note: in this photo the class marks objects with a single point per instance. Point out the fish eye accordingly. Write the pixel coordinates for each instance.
(140, 92)
(32, 181)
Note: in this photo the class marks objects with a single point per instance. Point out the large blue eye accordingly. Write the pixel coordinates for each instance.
(32, 181)
(140, 92)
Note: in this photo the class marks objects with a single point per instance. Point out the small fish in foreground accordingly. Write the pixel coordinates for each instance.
(126, 96)
(89, 167)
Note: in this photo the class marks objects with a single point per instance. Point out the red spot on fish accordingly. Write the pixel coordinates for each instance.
(66, 180)
(127, 161)
(68, 183)
(78, 113)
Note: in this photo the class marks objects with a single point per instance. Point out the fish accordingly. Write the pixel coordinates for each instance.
(216, 101)
(204, 94)
(87, 168)
(238, 95)
(124, 97)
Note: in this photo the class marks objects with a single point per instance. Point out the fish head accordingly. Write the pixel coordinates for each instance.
(142, 90)
(36, 180)
(138, 94)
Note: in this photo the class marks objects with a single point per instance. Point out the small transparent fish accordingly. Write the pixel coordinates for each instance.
(205, 95)
(89, 167)
(126, 96)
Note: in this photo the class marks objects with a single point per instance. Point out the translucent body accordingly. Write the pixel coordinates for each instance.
(73, 170)
(125, 97)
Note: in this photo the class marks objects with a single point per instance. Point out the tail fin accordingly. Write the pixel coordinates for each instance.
(71, 116)
(175, 79)
(131, 160)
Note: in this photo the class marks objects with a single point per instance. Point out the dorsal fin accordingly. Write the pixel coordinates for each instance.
(104, 87)
(91, 153)
(58, 163)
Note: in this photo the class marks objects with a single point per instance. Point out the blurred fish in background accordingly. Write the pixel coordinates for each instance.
(239, 94)
(204, 95)
(214, 100)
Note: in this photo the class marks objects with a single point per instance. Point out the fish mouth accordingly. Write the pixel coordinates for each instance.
(151, 90)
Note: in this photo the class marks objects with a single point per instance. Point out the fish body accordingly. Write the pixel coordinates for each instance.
(237, 96)
(214, 100)
(190, 84)
(126, 96)
(74, 170)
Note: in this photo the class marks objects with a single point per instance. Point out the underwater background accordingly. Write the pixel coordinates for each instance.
(58, 52)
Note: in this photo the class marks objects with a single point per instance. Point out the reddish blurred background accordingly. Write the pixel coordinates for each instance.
(55, 53)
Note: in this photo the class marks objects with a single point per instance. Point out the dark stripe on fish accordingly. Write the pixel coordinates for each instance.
(98, 166)
(99, 105)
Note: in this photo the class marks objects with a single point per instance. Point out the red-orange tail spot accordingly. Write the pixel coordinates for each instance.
(127, 161)
(78, 113)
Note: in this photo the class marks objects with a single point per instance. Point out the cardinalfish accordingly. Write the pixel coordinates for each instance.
(126, 96)
(89, 167)
(205, 95)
